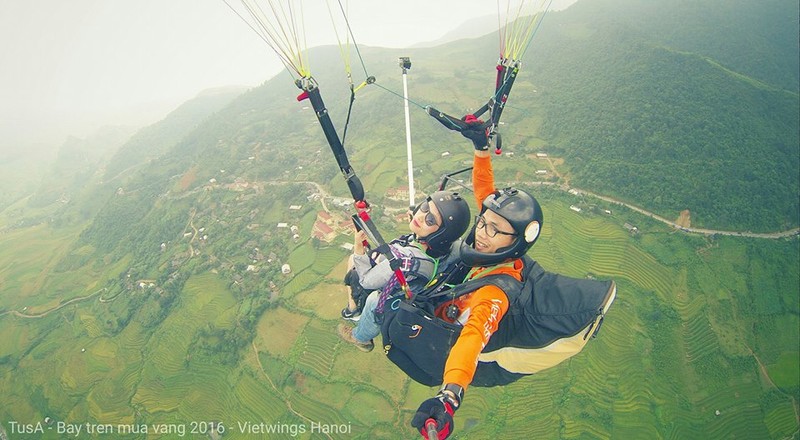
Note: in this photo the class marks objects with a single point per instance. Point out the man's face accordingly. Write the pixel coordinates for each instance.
(492, 233)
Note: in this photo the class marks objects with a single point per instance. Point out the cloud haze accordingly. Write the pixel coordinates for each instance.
(69, 67)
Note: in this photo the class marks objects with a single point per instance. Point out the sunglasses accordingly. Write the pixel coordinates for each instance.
(430, 219)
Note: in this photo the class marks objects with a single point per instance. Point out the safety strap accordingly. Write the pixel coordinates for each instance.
(505, 282)
(408, 265)
(506, 75)
(311, 92)
(362, 219)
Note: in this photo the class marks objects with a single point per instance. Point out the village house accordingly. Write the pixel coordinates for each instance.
(323, 232)
(632, 229)
(238, 185)
(401, 217)
(325, 217)
(146, 284)
(341, 202)
(399, 193)
(345, 226)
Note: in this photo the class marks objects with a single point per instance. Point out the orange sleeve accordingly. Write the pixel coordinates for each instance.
(482, 178)
(487, 306)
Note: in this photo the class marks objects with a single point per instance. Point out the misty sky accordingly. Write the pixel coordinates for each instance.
(72, 66)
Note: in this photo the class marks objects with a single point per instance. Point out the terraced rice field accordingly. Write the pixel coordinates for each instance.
(257, 399)
(316, 411)
(328, 258)
(699, 339)
(109, 401)
(300, 282)
(278, 330)
(677, 346)
(367, 369)
(368, 408)
(315, 349)
(326, 299)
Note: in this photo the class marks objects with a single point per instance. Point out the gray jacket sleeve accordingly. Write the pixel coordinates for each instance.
(376, 277)
(370, 277)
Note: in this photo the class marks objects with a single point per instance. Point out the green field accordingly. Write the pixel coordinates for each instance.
(702, 340)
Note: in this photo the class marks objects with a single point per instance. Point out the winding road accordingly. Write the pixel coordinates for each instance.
(43, 314)
(767, 235)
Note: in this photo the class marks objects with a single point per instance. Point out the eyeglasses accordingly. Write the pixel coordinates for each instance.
(430, 219)
(491, 230)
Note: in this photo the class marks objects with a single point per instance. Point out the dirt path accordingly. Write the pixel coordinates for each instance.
(43, 314)
(685, 219)
(772, 384)
(560, 176)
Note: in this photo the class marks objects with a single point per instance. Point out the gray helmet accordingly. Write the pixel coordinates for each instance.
(525, 216)
(455, 221)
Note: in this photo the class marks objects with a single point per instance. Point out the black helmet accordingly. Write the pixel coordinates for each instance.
(525, 216)
(455, 221)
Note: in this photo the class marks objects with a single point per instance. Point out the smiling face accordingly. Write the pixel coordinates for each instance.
(492, 232)
(426, 220)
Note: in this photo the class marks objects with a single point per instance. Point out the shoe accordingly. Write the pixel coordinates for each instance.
(346, 333)
(351, 316)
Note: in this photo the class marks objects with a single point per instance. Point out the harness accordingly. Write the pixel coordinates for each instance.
(546, 311)
(418, 270)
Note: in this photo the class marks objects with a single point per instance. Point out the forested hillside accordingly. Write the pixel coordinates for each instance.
(678, 105)
(153, 141)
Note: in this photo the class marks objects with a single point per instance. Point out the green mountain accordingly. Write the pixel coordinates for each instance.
(72, 187)
(153, 141)
(164, 305)
(20, 173)
(678, 105)
(76, 165)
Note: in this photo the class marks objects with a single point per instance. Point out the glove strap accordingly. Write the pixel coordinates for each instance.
(452, 394)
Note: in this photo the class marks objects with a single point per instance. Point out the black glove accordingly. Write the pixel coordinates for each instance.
(476, 132)
(440, 409)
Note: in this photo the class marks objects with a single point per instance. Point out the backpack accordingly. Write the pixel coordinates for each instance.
(550, 318)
